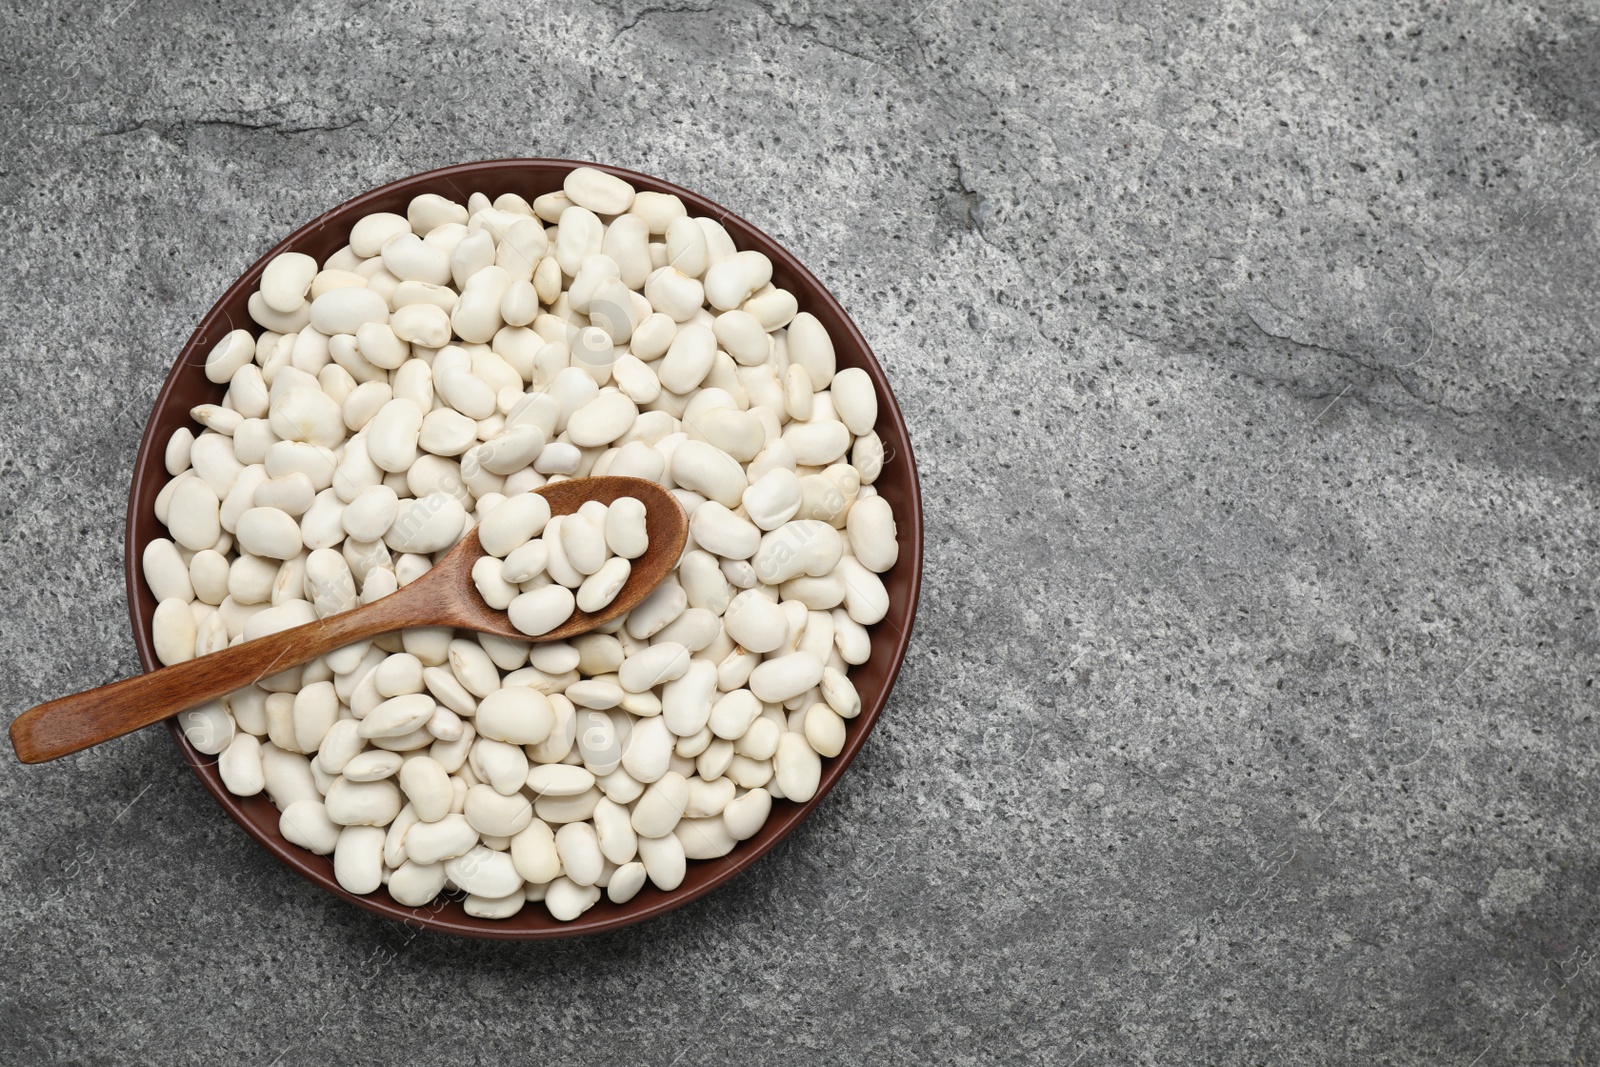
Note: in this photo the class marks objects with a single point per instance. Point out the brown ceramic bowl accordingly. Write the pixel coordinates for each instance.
(186, 386)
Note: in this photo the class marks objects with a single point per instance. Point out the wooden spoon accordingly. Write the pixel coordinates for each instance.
(445, 596)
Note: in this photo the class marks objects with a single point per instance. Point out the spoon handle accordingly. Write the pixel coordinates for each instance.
(73, 723)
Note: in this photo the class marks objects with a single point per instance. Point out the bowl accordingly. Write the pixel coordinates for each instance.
(187, 386)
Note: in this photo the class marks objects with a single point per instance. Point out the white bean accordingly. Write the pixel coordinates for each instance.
(425, 324)
(602, 193)
(582, 542)
(173, 631)
(873, 537)
(652, 666)
(409, 258)
(370, 232)
(488, 578)
(824, 730)
(566, 900)
(270, 533)
(533, 853)
(595, 693)
(801, 546)
(522, 248)
(433, 523)
(774, 308)
(518, 715)
(562, 810)
(511, 525)
(525, 561)
(773, 499)
(369, 516)
(345, 310)
(601, 588)
(837, 689)
(209, 728)
(663, 860)
(719, 530)
(741, 434)
(560, 780)
(779, 679)
(484, 872)
(542, 610)
(240, 766)
(505, 907)
(657, 209)
(236, 349)
(193, 515)
(429, 211)
(165, 572)
(686, 701)
(688, 359)
(414, 884)
(660, 808)
(755, 621)
(709, 471)
(443, 839)
(495, 815)
(855, 399)
(393, 433)
(626, 532)
(306, 823)
(447, 433)
(733, 713)
(648, 753)
(674, 293)
(363, 803)
(865, 598)
(397, 716)
(578, 236)
(819, 442)
(372, 766)
(602, 420)
(797, 768)
(614, 833)
(811, 347)
(744, 338)
(731, 280)
(743, 817)
(285, 280)
(704, 839)
(579, 849)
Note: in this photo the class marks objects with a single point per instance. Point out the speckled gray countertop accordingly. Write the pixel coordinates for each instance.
(1250, 353)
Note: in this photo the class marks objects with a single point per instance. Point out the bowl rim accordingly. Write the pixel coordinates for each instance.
(148, 478)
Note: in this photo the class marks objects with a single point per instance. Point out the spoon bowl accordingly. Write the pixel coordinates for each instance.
(456, 598)
(444, 596)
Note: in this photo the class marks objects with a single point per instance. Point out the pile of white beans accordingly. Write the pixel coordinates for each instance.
(421, 382)
(539, 569)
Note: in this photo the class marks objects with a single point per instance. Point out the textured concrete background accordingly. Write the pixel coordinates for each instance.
(1249, 351)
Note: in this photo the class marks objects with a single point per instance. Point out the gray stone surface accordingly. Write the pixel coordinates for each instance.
(1249, 353)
